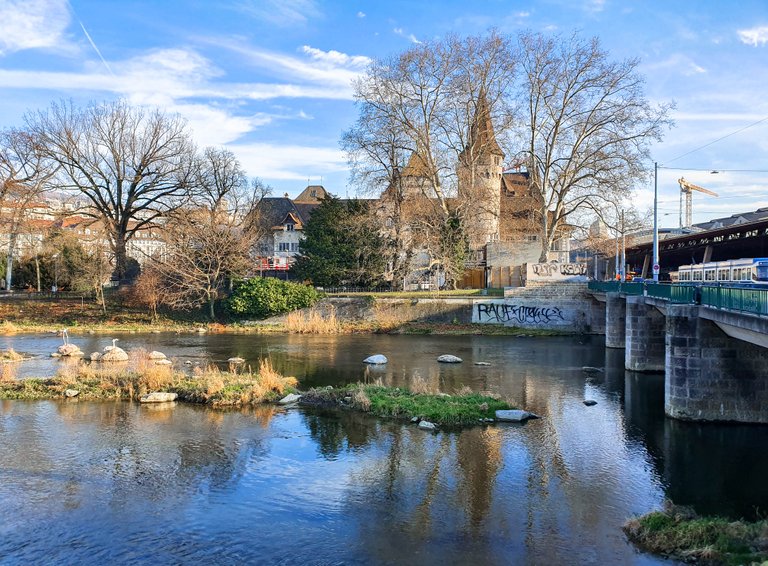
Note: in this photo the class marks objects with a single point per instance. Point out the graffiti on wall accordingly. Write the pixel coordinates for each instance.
(568, 271)
(516, 314)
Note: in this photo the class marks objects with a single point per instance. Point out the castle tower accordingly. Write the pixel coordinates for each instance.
(479, 174)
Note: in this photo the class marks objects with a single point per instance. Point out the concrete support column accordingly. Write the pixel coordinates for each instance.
(596, 317)
(645, 332)
(710, 376)
(615, 325)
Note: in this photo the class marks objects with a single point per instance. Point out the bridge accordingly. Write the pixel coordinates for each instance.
(710, 341)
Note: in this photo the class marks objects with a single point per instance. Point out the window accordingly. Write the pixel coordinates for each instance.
(722, 275)
(264, 249)
(709, 275)
(283, 247)
(389, 222)
(313, 193)
(294, 247)
(289, 227)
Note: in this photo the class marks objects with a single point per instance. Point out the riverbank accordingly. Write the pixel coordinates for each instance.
(678, 533)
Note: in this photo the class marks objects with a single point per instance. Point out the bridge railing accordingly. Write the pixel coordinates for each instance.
(624, 287)
(748, 300)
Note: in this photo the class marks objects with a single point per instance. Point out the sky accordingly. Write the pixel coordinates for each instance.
(271, 79)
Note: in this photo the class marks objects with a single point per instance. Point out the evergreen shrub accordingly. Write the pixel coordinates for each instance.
(262, 297)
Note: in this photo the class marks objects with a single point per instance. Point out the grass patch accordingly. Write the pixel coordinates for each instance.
(312, 322)
(128, 381)
(10, 355)
(678, 533)
(464, 408)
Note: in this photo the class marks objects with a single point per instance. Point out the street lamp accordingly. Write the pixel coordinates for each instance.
(655, 222)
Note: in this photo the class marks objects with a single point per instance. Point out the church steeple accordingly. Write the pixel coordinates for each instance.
(481, 134)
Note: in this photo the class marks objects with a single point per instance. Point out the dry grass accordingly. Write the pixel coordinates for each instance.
(420, 386)
(271, 380)
(10, 355)
(8, 373)
(386, 317)
(312, 322)
(464, 390)
(7, 327)
(360, 398)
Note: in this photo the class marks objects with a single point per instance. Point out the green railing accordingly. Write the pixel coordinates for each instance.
(625, 288)
(753, 301)
(676, 294)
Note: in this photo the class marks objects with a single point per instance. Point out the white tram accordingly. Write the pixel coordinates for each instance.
(754, 271)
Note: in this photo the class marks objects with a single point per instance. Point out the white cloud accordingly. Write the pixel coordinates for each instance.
(283, 13)
(595, 5)
(33, 24)
(756, 36)
(336, 58)
(409, 36)
(289, 162)
(522, 14)
(361, 14)
(679, 63)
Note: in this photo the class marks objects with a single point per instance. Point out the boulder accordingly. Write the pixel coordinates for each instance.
(95, 356)
(69, 350)
(236, 360)
(163, 362)
(590, 402)
(426, 425)
(514, 416)
(415, 419)
(376, 359)
(55, 355)
(156, 356)
(71, 393)
(158, 397)
(289, 399)
(114, 355)
(482, 363)
(449, 359)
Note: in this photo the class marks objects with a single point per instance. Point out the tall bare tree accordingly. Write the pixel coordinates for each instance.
(132, 165)
(24, 177)
(209, 242)
(587, 127)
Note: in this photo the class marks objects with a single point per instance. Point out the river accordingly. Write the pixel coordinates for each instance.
(116, 482)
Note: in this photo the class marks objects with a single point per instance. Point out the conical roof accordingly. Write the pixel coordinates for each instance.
(481, 135)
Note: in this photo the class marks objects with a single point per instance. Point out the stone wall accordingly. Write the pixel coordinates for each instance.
(562, 307)
(711, 376)
(644, 336)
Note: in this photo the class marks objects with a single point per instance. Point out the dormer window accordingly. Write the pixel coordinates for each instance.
(313, 193)
(289, 227)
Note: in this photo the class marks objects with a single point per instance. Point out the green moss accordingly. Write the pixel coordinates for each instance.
(441, 409)
(678, 533)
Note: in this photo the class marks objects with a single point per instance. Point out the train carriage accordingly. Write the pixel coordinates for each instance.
(743, 271)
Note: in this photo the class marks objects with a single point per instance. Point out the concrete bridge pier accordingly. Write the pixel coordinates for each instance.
(615, 316)
(645, 332)
(711, 376)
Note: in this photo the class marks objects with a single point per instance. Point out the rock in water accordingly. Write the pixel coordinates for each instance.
(71, 393)
(590, 402)
(236, 360)
(426, 425)
(482, 363)
(449, 359)
(95, 356)
(376, 359)
(163, 362)
(69, 350)
(514, 415)
(158, 397)
(115, 355)
(290, 398)
(157, 356)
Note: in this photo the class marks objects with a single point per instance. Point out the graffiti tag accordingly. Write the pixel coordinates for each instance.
(554, 269)
(497, 312)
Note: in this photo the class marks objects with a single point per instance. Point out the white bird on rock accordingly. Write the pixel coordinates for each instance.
(113, 346)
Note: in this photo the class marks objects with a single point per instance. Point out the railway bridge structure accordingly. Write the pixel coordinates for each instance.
(710, 341)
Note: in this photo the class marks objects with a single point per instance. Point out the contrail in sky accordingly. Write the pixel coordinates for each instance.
(96, 49)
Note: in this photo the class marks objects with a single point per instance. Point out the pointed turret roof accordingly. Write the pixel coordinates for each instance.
(481, 135)
(416, 167)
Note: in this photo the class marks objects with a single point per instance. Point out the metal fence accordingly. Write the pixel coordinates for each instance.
(747, 300)
(44, 296)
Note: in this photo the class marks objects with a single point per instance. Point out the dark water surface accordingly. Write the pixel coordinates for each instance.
(122, 483)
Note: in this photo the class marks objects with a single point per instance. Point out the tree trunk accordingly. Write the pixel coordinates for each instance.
(9, 262)
(211, 311)
(37, 272)
(121, 257)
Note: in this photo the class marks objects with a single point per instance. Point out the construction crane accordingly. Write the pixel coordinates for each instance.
(687, 189)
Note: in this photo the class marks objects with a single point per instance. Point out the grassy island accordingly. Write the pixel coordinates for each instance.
(678, 533)
(462, 409)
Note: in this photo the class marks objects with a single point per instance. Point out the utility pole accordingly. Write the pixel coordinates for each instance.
(623, 249)
(656, 222)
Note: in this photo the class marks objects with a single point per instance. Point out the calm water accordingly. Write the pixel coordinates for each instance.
(122, 483)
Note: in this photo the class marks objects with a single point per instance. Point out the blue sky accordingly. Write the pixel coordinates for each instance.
(270, 79)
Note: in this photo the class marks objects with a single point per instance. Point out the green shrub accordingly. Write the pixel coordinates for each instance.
(262, 297)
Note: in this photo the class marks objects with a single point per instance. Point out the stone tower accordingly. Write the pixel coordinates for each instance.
(479, 175)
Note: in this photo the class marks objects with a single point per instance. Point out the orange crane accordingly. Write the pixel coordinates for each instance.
(687, 189)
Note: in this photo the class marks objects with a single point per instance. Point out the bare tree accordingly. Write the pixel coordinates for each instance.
(587, 129)
(132, 165)
(415, 128)
(209, 243)
(24, 175)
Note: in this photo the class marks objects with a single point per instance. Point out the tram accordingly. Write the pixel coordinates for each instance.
(742, 271)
